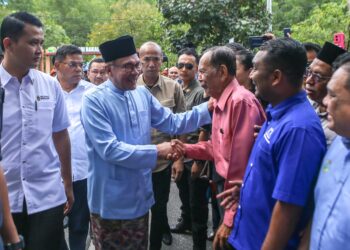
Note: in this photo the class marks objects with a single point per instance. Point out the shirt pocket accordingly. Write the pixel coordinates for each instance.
(44, 116)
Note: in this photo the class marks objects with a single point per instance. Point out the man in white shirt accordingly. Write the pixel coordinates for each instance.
(68, 65)
(35, 140)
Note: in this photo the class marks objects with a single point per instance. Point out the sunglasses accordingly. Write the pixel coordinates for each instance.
(188, 66)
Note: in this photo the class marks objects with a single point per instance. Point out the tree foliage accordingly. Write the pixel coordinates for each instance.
(289, 12)
(137, 18)
(322, 23)
(213, 22)
(64, 20)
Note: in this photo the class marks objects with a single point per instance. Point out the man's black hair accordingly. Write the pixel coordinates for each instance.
(189, 52)
(95, 60)
(13, 25)
(343, 61)
(312, 46)
(287, 55)
(66, 50)
(235, 46)
(245, 57)
(222, 55)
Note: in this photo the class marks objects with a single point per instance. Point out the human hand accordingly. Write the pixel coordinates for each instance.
(70, 199)
(177, 170)
(196, 170)
(230, 197)
(170, 150)
(221, 237)
(211, 104)
(257, 129)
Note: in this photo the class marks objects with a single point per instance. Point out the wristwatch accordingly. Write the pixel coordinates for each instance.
(15, 246)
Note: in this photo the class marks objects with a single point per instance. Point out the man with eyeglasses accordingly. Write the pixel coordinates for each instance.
(97, 72)
(117, 117)
(192, 189)
(68, 65)
(317, 76)
(169, 94)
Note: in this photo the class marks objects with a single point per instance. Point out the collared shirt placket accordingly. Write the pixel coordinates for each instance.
(27, 108)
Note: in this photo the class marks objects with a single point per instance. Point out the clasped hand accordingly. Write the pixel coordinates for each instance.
(172, 150)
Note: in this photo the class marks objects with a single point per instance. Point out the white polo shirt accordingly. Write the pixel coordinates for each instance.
(33, 110)
(76, 131)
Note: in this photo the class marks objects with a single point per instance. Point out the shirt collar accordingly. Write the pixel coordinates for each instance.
(81, 84)
(158, 84)
(115, 89)
(6, 77)
(346, 142)
(274, 113)
(230, 88)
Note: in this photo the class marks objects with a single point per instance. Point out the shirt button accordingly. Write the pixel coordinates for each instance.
(242, 184)
(24, 143)
(24, 179)
(239, 206)
(251, 164)
(23, 161)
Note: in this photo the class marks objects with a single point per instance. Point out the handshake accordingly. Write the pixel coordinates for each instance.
(172, 150)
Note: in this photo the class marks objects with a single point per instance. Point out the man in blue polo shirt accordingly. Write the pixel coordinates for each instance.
(286, 155)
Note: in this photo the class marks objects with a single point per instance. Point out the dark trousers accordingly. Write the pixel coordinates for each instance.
(41, 231)
(194, 208)
(159, 219)
(79, 217)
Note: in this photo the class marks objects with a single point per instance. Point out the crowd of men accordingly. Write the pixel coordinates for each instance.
(268, 134)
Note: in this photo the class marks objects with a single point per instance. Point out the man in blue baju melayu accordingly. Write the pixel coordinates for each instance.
(117, 117)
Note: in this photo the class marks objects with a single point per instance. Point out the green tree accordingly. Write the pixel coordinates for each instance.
(322, 23)
(135, 17)
(213, 22)
(289, 12)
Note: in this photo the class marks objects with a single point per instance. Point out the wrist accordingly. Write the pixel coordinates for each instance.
(17, 245)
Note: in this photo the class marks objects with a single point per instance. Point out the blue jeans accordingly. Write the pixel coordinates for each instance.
(79, 217)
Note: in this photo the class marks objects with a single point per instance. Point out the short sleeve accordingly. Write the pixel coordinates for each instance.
(60, 118)
(299, 154)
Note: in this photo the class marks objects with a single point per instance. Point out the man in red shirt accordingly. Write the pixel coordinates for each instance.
(236, 111)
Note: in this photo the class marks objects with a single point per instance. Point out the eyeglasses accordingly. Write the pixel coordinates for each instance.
(74, 65)
(188, 66)
(317, 77)
(129, 67)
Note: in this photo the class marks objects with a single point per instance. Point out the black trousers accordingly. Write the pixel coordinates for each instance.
(42, 230)
(159, 218)
(194, 208)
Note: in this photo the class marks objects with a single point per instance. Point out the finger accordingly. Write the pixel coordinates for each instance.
(229, 192)
(229, 205)
(226, 201)
(235, 183)
(179, 149)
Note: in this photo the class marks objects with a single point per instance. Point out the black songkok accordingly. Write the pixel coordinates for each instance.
(121, 47)
(329, 53)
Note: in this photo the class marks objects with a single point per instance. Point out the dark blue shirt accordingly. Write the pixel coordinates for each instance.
(283, 166)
